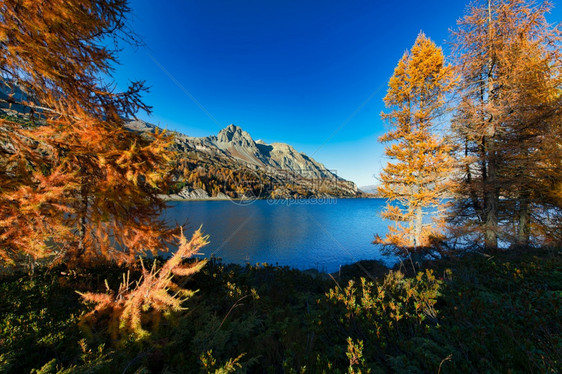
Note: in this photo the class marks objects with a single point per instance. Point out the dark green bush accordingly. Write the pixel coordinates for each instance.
(473, 314)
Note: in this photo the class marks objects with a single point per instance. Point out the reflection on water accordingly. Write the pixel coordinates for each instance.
(321, 236)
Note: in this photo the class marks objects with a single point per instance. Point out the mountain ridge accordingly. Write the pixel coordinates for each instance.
(278, 168)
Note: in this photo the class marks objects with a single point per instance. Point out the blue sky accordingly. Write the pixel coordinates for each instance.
(308, 73)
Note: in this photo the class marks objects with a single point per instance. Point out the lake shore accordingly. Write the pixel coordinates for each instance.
(176, 197)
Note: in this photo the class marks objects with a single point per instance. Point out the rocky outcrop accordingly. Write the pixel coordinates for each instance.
(193, 194)
(188, 193)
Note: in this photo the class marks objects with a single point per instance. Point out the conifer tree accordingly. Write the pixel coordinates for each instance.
(74, 182)
(416, 182)
(508, 121)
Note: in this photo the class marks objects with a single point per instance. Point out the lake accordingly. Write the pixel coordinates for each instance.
(303, 234)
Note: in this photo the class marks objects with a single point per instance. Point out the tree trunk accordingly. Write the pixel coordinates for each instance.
(491, 191)
(471, 189)
(524, 220)
(82, 220)
(418, 222)
(491, 202)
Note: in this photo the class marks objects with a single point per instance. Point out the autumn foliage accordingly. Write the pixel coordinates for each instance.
(416, 182)
(136, 305)
(75, 184)
(507, 124)
(506, 176)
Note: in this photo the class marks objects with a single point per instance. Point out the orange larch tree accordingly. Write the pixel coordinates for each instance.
(531, 167)
(508, 122)
(75, 183)
(415, 185)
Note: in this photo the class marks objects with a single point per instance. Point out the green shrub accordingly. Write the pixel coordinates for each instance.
(486, 314)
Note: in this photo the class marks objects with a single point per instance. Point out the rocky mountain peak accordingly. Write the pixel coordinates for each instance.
(234, 134)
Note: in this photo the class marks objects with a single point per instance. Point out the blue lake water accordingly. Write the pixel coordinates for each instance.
(303, 235)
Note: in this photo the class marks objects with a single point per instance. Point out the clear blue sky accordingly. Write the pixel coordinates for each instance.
(308, 73)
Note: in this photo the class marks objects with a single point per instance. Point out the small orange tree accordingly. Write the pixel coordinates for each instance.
(74, 182)
(417, 181)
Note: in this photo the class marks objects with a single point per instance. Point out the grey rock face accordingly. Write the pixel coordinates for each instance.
(234, 135)
(193, 194)
(221, 196)
(238, 144)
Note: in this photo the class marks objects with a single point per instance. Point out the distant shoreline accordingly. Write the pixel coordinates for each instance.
(178, 198)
